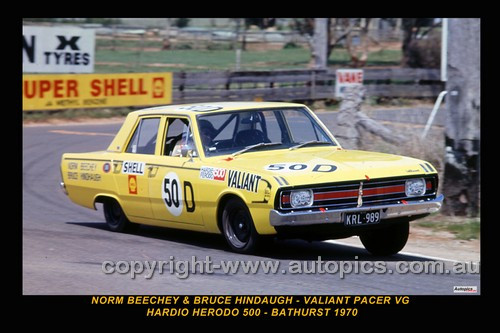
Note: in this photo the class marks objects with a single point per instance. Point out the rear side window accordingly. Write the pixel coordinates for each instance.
(144, 138)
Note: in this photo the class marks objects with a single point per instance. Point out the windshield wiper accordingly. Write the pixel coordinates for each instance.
(262, 144)
(307, 143)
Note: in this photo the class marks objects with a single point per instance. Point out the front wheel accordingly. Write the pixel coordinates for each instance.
(238, 228)
(387, 241)
(116, 218)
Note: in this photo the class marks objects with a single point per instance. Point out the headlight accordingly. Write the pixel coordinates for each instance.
(415, 187)
(302, 198)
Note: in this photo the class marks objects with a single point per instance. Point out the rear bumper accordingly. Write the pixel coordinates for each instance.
(278, 218)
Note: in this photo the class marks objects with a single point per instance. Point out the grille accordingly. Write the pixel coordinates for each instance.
(373, 192)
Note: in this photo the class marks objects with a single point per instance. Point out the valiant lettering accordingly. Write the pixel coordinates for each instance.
(243, 180)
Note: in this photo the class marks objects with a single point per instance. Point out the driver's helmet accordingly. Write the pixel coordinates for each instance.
(207, 131)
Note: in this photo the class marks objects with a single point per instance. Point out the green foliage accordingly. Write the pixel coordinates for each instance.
(466, 231)
(292, 45)
(462, 228)
(181, 22)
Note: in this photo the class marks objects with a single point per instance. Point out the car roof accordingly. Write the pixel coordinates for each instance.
(215, 107)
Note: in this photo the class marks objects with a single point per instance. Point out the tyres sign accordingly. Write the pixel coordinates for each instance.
(58, 50)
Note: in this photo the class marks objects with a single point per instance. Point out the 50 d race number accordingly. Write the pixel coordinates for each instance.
(291, 167)
(174, 194)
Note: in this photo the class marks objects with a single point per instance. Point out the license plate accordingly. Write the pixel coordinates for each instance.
(360, 218)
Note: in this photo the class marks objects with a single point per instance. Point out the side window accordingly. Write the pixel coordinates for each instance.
(179, 140)
(302, 128)
(273, 130)
(144, 138)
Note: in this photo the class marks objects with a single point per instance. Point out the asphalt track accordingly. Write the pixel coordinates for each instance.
(65, 245)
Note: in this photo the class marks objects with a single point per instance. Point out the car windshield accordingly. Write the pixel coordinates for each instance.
(256, 130)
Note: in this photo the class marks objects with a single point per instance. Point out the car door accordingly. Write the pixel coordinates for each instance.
(173, 175)
(130, 170)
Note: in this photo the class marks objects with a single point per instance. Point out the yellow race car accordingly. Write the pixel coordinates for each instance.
(250, 170)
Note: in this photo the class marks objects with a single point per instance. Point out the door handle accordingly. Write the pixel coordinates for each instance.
(117, 166)
(153, 170)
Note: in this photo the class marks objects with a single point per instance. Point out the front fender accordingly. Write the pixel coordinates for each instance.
(258, 205)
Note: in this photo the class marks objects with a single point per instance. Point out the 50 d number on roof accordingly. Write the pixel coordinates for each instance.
(291, 167)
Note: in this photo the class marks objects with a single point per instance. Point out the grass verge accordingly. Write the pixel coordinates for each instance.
(117, 61)
(464, 228)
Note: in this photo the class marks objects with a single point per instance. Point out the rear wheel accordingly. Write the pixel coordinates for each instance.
(116, 218)
(387, 241)
(238, 228)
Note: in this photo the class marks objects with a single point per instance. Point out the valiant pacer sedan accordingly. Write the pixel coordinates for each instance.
(250, 170)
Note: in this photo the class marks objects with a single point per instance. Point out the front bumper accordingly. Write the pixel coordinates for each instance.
(278, 218)
(63, 187)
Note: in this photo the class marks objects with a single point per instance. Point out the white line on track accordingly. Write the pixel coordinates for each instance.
(337, 242)
(81, 133)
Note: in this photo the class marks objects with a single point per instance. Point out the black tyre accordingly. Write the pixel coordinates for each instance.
(238, 228)
(387, 241)
(115, 217)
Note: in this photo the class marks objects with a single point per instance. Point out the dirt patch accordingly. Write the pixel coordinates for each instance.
(442, 244)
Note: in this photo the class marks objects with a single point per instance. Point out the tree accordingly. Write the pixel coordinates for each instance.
(358, 51)
(320, 43)
(262, 23)
(305, 27)
(338, 31)
(329, 33)
(182, 22)
(420, 48)
(461, 185)
(166, 40)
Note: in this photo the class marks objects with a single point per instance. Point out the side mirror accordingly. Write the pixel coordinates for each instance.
(188, 152)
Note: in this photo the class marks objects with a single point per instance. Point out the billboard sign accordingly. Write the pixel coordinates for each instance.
(58, 50)
(62, 91)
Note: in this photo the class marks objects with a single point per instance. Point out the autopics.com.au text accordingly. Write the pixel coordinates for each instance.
(182, 269)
